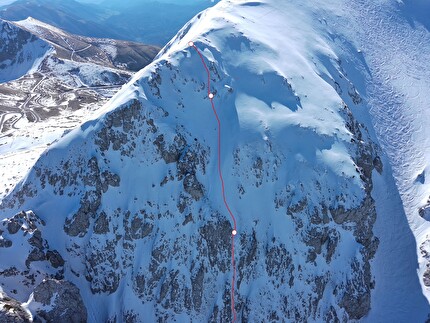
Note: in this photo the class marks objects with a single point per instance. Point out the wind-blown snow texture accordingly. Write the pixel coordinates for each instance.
(128, 207)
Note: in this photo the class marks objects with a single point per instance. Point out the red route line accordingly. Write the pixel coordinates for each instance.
(234, 232)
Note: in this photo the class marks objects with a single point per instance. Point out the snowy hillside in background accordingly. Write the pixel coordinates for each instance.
(48, 95)
(117, 54)
(125, 213)
(19, 51)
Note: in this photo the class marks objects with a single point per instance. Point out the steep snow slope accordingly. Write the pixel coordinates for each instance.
(399, 56)
(19, 51)
(128, 206)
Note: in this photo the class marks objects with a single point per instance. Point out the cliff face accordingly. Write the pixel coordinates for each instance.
(127, 209)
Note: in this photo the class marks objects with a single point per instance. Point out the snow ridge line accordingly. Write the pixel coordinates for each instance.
(234, 232)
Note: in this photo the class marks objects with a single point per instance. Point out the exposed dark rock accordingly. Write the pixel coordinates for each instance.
(424, 212)
(364, 217)
(197, 288)
(218, 245)
(332, 242)
(299, 207)
(5, 243)
(425, 253)
(101, 225)
(331, 316)
(54, 258)
(13, 226)
(103, 269)
(193, 187)
(319, 237)
(12, 311)
(65, 301)
(109, 179)
(278, 261)
(136, 228)
(248, 257)
(188, 219)
(183, 202)
(192, 158)
(316, 238)
(17, 198)
(35, 255)
(130, 317)
(170, 292)
(319, 285)
(36, 240)
(154, 82)
(16, 222)
(356, 298)
(139, 285)
(377, 163)
(426, 277)
(80, 222)
(355, 96)
(170, 154)
(112, 135)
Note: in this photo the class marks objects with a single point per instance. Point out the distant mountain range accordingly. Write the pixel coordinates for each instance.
(131, 56)
(71, 16)
(150, 22)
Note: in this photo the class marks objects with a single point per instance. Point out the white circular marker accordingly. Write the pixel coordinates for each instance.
(211, 95)
(191, 43)
(234, 232)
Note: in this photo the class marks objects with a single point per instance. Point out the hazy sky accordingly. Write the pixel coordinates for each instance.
(4, 2)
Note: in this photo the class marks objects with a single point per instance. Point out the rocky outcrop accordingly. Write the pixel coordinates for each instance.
(425, 253)
(424, 211)
(57, 301)
(26, 229)
(12, 311)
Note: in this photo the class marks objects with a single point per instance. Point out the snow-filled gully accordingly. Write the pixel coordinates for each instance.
(234, 231)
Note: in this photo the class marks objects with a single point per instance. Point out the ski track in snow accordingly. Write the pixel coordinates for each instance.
(234, 232)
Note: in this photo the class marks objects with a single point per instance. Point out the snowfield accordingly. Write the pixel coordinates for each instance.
(324, 152)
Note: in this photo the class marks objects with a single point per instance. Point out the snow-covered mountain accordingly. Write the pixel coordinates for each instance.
(111, 53)
(19, 51)
(126, 212)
